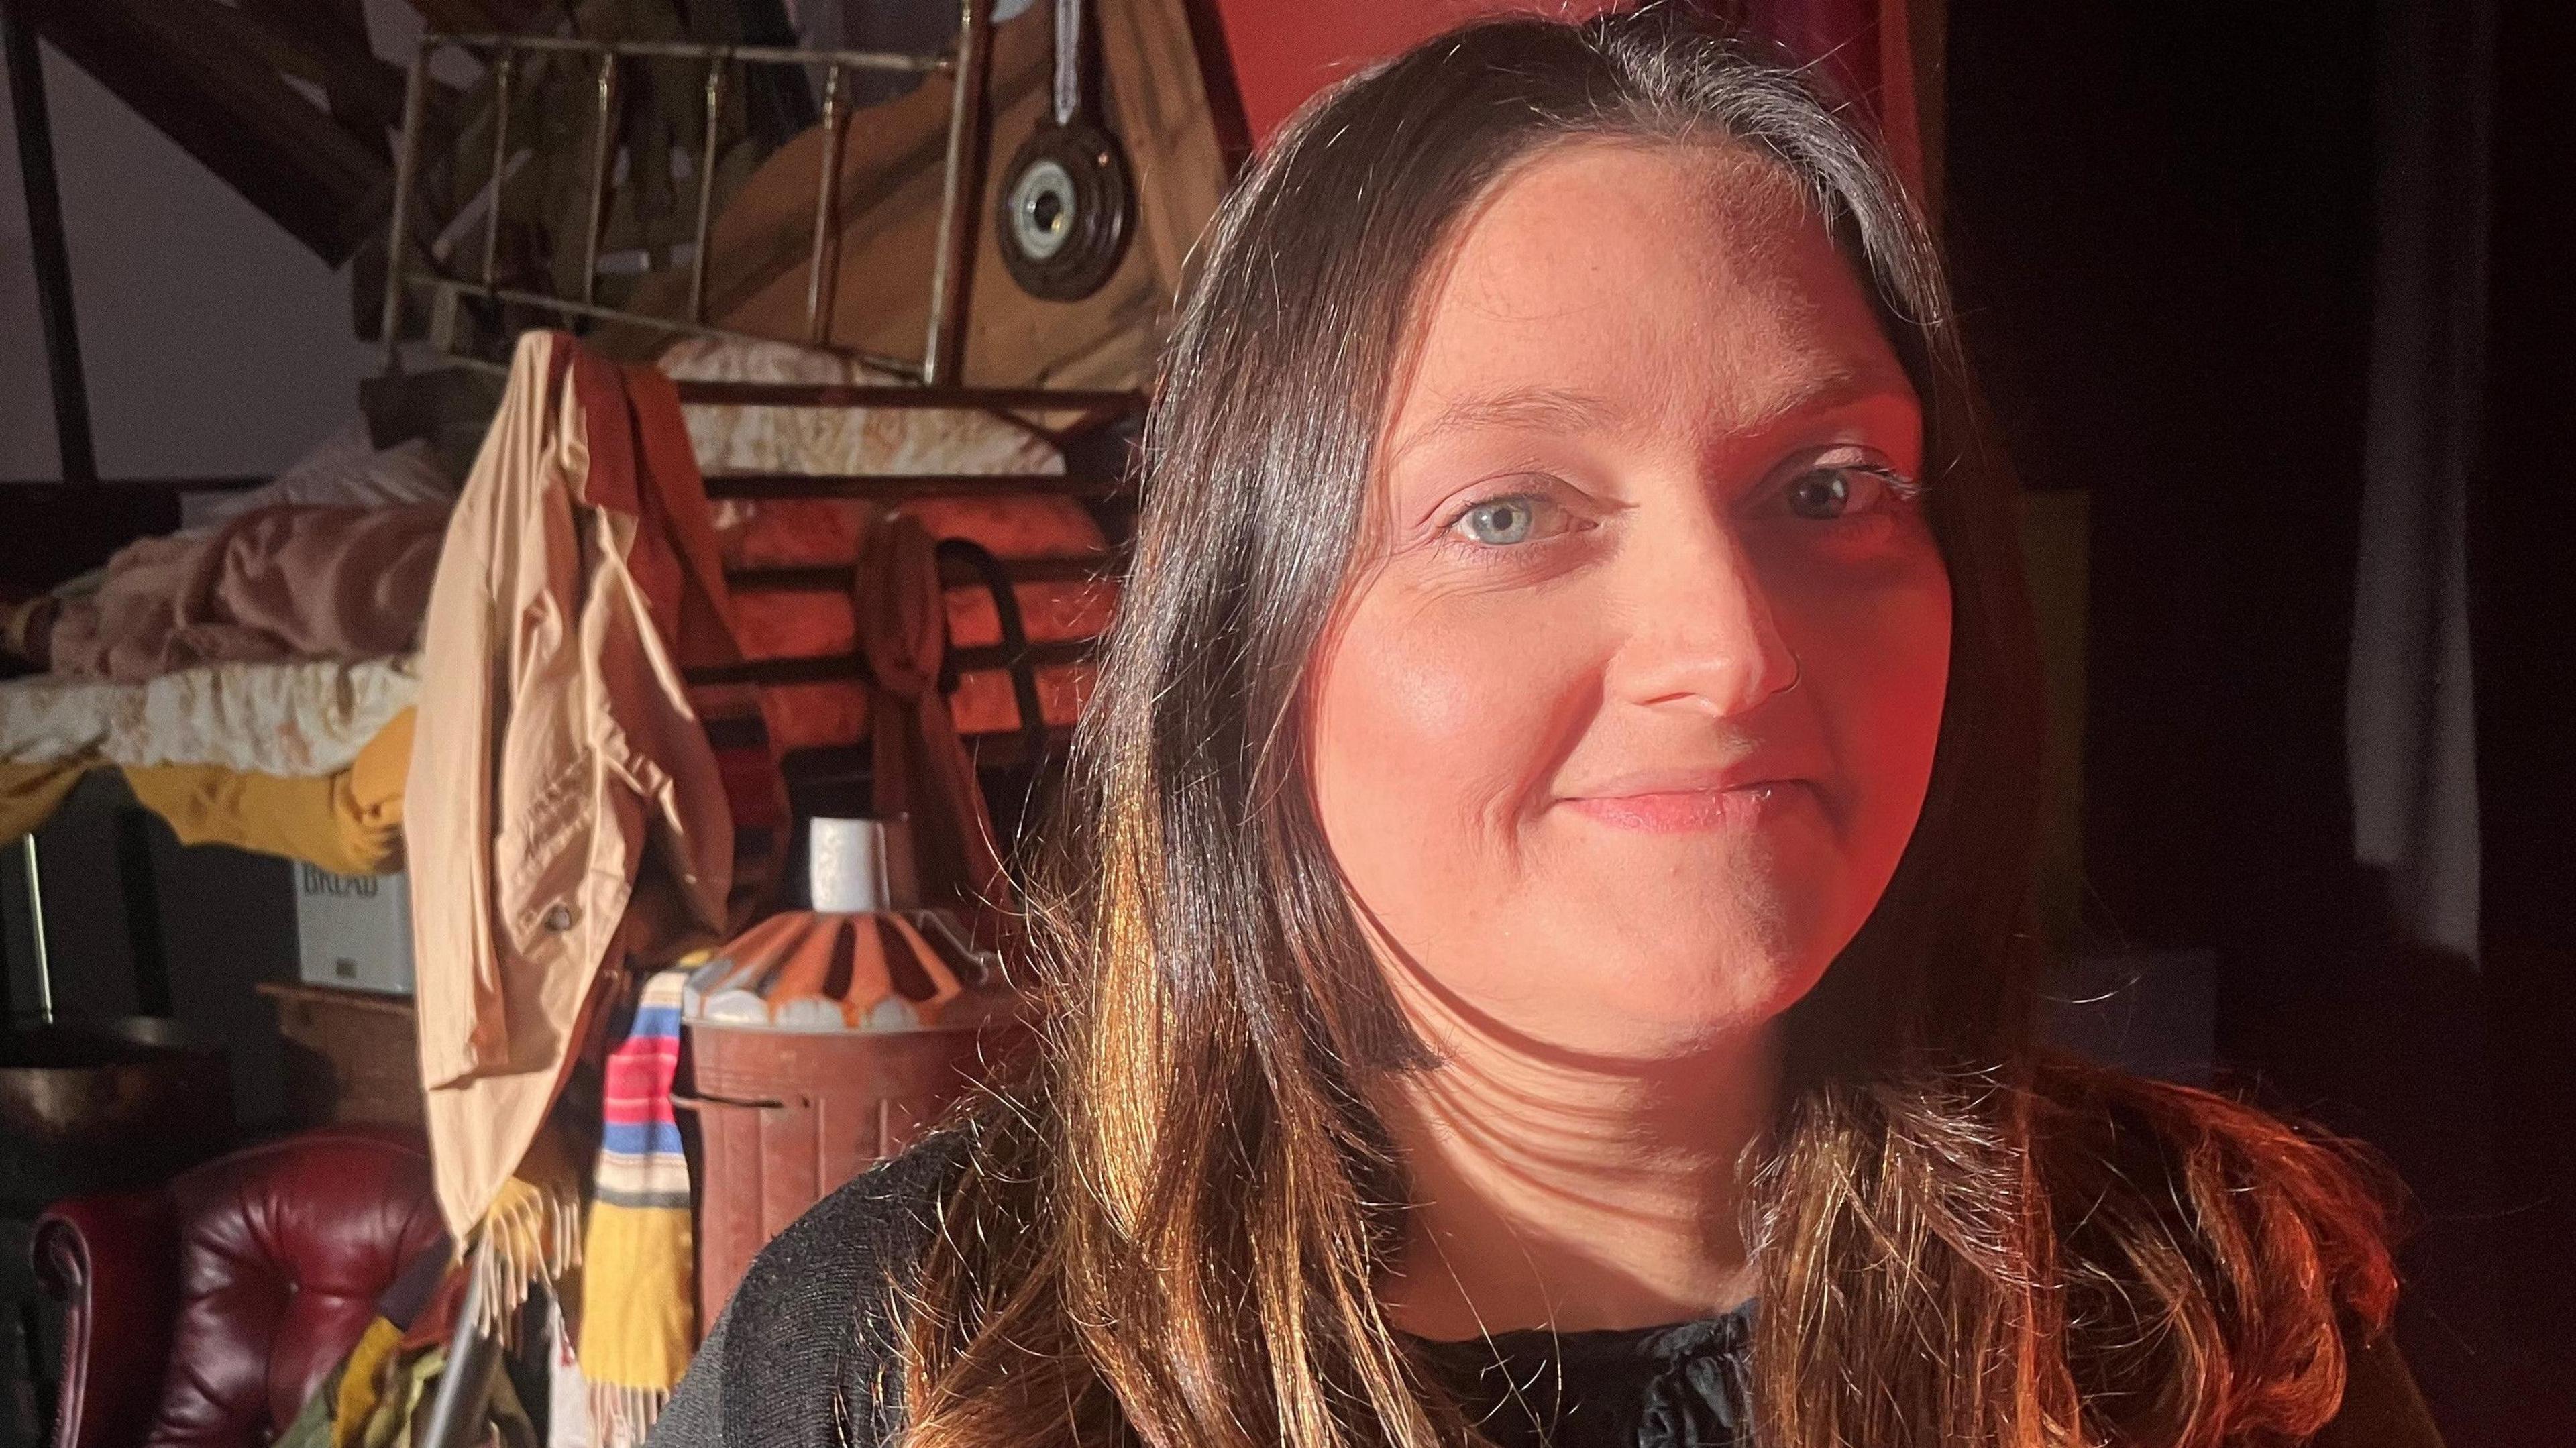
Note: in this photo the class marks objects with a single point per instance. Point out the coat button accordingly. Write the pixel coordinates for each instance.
(559, 918)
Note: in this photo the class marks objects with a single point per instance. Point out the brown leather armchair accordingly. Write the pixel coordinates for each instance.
(203, 1313)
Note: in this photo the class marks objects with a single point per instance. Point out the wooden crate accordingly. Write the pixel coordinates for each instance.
(351, 1055)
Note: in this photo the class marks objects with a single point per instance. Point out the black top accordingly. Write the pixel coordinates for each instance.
(807, 1356)
(1681, 1385)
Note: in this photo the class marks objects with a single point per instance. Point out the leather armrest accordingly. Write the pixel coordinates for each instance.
(113, 1261)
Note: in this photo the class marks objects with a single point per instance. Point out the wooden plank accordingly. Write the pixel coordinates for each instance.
(895, 486)
(996, 752)
(835, 668)
(352, 1055)
(1217, 81)
(836, 394)
(835, 577)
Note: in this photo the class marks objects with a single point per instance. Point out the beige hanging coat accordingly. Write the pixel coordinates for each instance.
(557, 758)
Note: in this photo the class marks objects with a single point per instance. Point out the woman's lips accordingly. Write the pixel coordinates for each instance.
(1684, 811)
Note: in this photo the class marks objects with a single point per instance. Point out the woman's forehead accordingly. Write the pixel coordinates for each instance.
(1626, 284)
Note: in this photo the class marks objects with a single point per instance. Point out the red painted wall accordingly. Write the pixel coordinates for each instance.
(1286, 50)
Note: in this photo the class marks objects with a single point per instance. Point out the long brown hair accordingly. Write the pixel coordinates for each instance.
(1169, 1233)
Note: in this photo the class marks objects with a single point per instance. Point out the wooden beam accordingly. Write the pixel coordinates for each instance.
(481, 17)
(188, 73)
(324, 43)
(52, 253)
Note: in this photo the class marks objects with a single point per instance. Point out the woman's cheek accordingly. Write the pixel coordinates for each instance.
(1433, 734)
(1884, 708)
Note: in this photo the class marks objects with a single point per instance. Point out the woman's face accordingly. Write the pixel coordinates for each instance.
(1633, 702)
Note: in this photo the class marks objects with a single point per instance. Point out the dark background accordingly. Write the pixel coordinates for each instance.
(2166, 222)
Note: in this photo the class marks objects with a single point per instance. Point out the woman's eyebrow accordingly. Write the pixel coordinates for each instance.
(1562, 411)
(1529, 409)
(1846, 390)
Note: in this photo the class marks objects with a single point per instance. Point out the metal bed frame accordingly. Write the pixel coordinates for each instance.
(933, 381)
(961, 167)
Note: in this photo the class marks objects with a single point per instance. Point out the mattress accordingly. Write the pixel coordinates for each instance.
(294, 719)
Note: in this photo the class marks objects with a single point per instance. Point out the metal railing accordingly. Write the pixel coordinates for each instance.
(968, 65)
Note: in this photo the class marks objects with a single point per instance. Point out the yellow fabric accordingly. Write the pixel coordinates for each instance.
(349, 822)
(362, 1383)
(388, 1425)
(532, 1229)
(638, 1314)
(30, 793)
(376, 781)
(408, 1390)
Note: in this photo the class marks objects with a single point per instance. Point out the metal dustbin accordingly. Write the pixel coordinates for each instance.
(785, 1117)
(106, 1105)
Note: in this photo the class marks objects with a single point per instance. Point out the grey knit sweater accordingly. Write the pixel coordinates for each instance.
(806, 1355)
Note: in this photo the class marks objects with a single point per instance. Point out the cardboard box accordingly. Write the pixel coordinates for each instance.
(353, 930)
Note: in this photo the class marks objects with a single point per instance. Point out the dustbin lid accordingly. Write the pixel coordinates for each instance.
(806, 970)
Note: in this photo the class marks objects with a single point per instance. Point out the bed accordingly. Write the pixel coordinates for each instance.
(305, 757)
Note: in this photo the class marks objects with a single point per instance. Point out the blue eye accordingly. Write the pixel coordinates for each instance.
(1842, 490)
(1500, 522)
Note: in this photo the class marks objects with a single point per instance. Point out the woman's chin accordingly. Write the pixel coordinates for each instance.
(1673, 1000)
(1716, 998)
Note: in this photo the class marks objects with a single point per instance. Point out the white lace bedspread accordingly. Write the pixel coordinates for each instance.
(300, 718)
(837, 439)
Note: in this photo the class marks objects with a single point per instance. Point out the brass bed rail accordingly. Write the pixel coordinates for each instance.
(968, 65)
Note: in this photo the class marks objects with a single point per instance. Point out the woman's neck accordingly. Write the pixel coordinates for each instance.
(1571, 1192)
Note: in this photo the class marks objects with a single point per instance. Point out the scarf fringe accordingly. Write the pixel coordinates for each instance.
(532, 1232)
(621, 1416)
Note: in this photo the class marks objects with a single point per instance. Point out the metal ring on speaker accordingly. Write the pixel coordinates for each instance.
(1066, 213)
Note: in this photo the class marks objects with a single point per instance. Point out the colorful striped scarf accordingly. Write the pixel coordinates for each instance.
(639, 1267)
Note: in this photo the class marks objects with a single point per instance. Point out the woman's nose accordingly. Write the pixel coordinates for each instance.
(1703, 630)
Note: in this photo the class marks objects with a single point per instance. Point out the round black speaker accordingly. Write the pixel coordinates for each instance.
(1066, 211)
